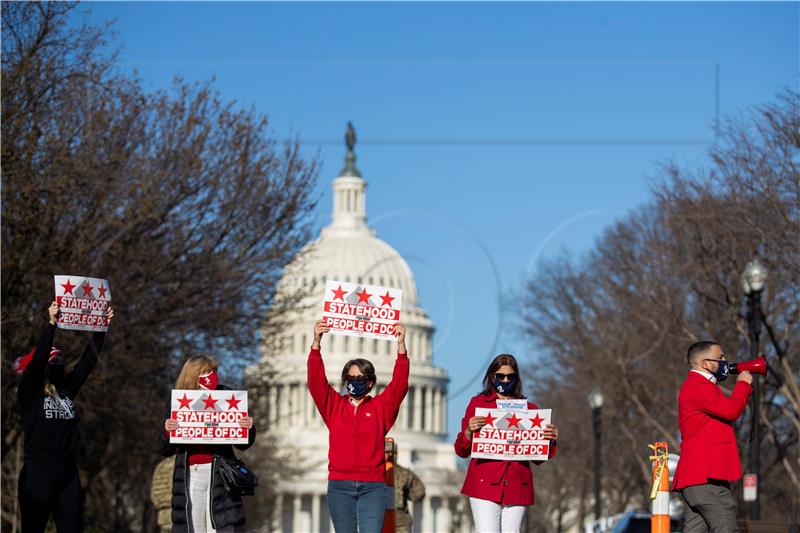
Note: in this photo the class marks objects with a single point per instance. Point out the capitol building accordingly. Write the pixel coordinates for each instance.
(349, 250)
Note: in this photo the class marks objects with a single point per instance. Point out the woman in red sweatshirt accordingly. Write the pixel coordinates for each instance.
(499, 491)
(357, 425)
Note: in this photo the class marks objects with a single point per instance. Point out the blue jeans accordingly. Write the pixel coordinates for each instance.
(357, 506)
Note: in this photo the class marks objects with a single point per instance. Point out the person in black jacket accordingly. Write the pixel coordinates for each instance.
(48, 481)
(200, 502)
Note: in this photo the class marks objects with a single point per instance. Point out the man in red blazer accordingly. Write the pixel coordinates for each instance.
(709, 455)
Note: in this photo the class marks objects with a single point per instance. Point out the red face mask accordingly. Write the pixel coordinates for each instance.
(208, 380)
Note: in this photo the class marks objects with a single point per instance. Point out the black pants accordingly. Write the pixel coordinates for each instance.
(50, 488)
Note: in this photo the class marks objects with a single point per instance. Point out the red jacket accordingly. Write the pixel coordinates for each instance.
(504, 482)
(356, 435)
(708, 443)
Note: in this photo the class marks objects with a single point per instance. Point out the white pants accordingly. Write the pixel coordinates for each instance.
(200, 500)
(491, 517)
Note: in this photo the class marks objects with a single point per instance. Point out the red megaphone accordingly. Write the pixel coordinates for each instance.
(754, 366)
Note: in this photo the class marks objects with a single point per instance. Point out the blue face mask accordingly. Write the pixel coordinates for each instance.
(722, 371)
(357, 388)
(504, 387)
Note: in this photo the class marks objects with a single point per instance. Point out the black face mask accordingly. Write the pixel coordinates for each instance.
(504, 387)
(723, 369)
(55, 374)
(357, 388)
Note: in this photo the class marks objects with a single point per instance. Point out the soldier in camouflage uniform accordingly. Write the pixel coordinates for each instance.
(161, 493)
(407, 487)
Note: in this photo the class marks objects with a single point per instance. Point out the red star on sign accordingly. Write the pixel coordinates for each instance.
(68, 287)
(338, 294)
(536, 421)
(185, 401)
(387, 300)
(233, 403)
(87, 289)
(489, 419)
(513, 420)
(209, 403)
(364, 296)
(101, 291)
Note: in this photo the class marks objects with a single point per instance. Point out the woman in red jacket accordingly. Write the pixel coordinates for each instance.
(498, 490)
(357, 425)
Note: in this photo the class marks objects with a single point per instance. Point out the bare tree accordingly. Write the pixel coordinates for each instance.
(621, 318)
(181, 200)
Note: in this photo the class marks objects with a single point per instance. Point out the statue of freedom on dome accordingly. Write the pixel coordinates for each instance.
(350, 137)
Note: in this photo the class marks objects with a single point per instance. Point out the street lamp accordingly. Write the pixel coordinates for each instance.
(596, 403)
(753, 279)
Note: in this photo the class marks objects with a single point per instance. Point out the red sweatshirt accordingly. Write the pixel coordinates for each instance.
(356, 434)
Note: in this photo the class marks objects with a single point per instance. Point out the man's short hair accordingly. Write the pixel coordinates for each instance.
(697, 350)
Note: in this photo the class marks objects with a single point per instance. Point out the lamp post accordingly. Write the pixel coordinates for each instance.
(753, 279)
(596, 403)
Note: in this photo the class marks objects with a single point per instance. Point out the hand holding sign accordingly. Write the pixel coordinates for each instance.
(320, 328)
(400, 334)
(475, 423)
(53, 312)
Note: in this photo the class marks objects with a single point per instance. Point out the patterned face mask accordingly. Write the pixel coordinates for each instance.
(504, 387)
(357, 387)
(208, 380)
(722, 372)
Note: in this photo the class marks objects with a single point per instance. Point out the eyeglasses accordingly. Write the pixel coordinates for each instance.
(360, 379)
(505, 377)
(721, 358)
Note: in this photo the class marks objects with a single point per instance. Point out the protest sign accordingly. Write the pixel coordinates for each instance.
(361, 310)
(208, 416)
(512, 405)
(82, 303)
(512, 435)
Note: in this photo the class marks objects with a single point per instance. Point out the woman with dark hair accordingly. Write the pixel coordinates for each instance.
(200, 501)
(48, 482)
(357, 425)
(498, 490)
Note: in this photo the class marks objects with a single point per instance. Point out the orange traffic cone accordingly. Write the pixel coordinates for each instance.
(659, 515)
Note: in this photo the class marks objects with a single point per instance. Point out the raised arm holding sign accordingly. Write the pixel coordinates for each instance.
(48, 482)
(357, 425)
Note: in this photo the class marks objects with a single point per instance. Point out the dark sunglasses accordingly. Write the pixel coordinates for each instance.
(505, 377)
(360, 379)
(722, 358)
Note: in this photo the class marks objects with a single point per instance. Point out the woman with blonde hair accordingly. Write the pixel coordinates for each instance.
(200, 501)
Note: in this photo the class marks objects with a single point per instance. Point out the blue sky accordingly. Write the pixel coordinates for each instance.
(491, 135)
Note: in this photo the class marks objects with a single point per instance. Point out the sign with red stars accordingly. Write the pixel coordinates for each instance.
(361, 310)
(82, 303)
(512, 434)
(209, 416)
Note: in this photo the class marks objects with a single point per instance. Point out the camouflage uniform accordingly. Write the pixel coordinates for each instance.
(161, 493)
(407, 487)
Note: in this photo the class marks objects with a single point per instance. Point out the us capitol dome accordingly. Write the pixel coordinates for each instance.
(349, 250)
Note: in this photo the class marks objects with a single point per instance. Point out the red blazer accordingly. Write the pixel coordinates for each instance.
(503, 482)
(708, 443)
(356, 435)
